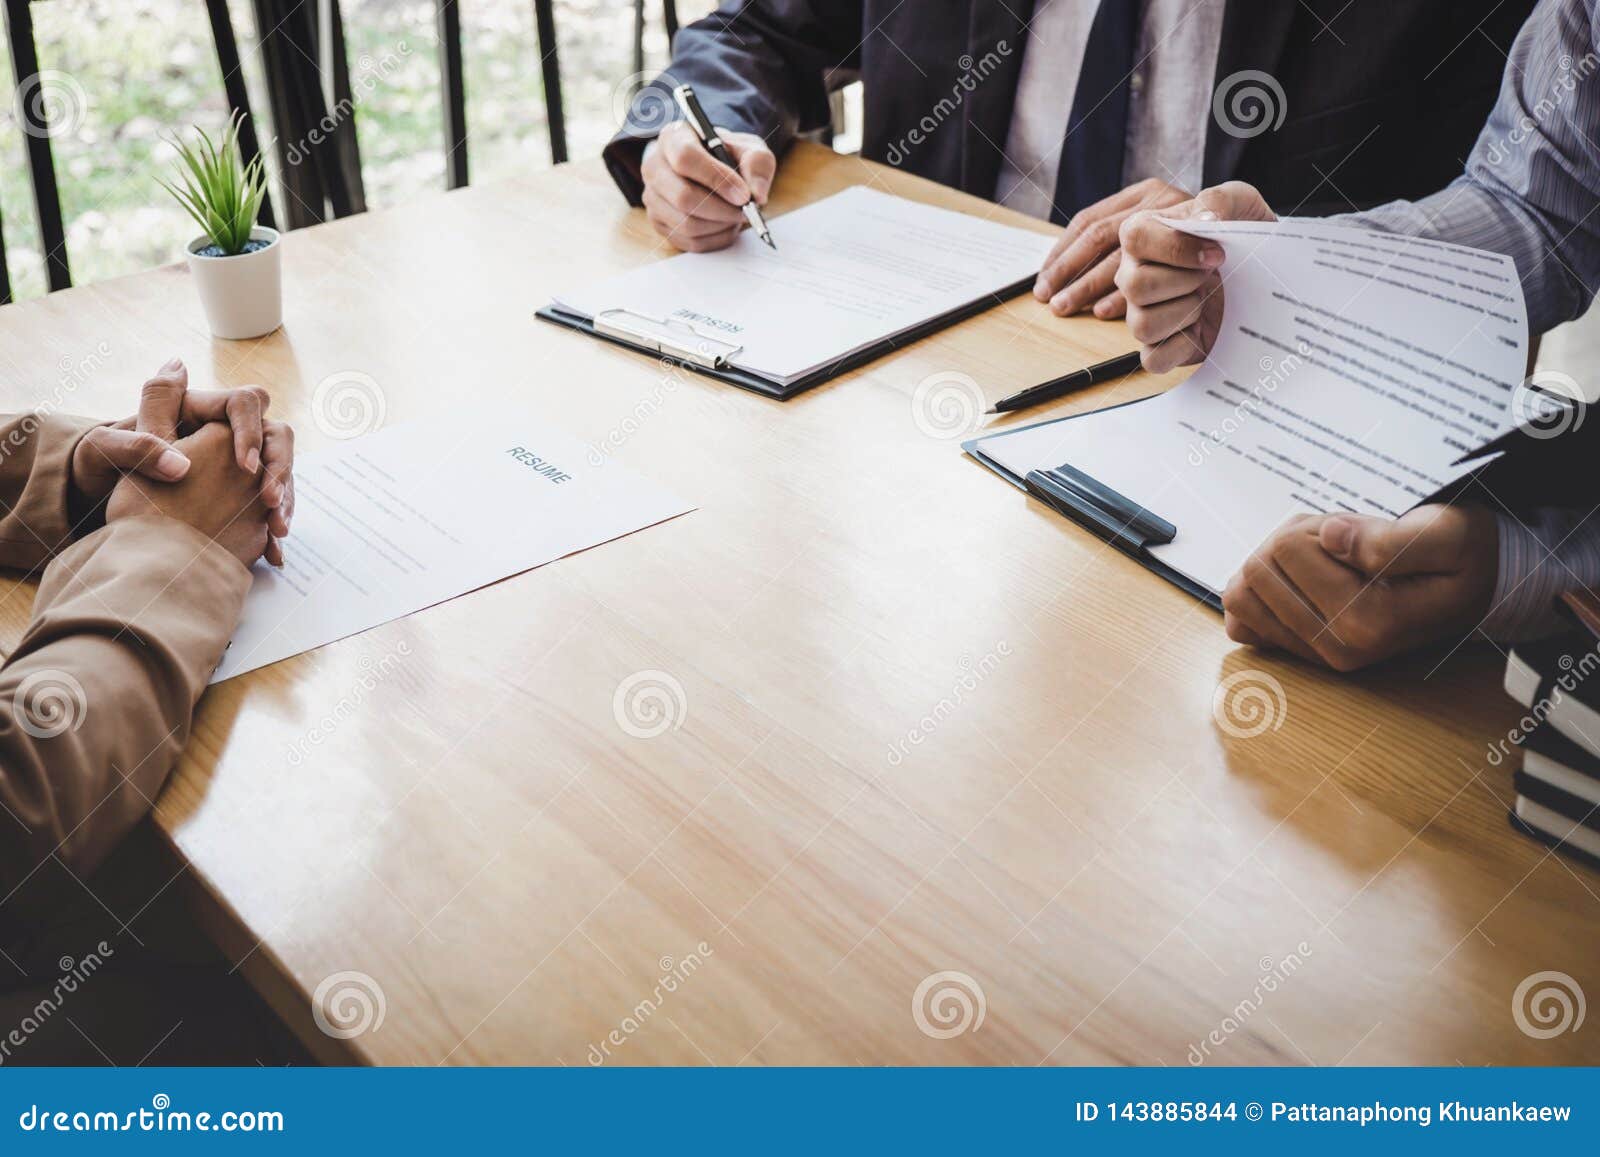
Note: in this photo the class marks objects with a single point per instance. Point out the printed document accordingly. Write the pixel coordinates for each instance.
(413, 515)
(1352, 371)
(849, 271)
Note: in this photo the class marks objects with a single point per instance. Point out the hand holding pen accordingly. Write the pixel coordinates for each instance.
(696, 200)
(689, 105)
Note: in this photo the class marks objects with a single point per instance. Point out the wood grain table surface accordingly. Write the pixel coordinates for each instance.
(871, 759)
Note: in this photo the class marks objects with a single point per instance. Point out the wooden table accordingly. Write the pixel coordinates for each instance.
(451, 807)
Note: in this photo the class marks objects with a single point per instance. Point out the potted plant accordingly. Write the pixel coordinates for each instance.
(234, 262)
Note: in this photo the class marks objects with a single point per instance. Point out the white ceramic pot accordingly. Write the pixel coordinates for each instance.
(242, 295)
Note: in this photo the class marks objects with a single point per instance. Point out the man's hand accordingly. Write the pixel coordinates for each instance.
(215, 495)
(1346, 591)
(1170, 279)
(1082, 266)
(695, 201)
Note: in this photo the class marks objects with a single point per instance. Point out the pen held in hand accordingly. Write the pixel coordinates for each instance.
(1059, 387)
(689, 105)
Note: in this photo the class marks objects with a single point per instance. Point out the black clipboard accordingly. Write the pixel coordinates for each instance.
(1108, 515)
(699, 352)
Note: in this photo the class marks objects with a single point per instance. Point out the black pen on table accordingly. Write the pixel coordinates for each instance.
(703, 128)
(1066, 383)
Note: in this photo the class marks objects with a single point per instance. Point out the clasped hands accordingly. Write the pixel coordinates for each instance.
(207, 458)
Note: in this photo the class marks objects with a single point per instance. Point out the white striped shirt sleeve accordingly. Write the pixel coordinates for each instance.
(1531, 190)
(1554, 551)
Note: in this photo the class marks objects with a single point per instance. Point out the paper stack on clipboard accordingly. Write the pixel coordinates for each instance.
(856, 275)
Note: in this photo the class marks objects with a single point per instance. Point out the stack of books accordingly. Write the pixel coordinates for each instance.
(1558, 681)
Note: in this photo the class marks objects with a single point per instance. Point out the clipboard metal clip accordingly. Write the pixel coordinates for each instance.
(677, 339)
(1102, 509)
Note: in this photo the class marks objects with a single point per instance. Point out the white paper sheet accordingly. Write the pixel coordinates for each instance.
(849, 271)
(413, 515)
(1351, 371)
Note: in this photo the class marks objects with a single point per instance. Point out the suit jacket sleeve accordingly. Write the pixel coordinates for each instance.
(97, 699)
(757, 66)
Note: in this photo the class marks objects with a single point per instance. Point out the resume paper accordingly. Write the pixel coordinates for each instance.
(413, 515)
(850, 270)
(1353, 370)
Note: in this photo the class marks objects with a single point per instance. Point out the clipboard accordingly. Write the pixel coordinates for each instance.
(1520, 470)
(680, 344)
(1111, 517)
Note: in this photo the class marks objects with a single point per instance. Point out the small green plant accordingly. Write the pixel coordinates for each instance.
(220, 191)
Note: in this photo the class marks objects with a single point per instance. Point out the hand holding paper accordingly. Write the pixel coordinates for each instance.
(1169, 275)
(1351, 372)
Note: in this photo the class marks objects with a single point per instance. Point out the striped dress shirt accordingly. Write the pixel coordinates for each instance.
(1531, 190)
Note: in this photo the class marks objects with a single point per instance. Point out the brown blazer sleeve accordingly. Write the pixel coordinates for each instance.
(35, 463)
(97, 700)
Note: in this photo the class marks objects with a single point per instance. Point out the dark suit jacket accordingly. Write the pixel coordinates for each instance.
(1383, 98)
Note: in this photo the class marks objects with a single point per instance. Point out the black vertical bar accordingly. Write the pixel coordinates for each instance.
(41, 164)
(316, 158)
(5, 271)
(638, 41)
(304, 202)
(455, 94)
(330, 149)
(238, 96)
(669, 16)
(345, 113)
(544, 13)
